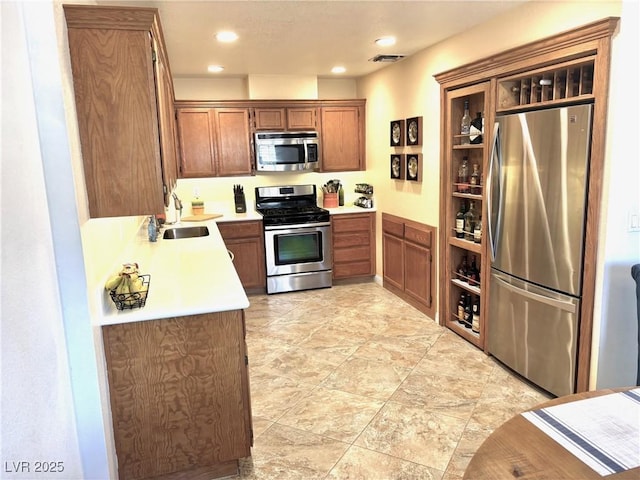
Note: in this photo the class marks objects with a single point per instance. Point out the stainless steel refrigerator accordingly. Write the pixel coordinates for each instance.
(537, 187)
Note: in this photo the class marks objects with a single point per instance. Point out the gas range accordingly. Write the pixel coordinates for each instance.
(297, 238)
(289, 205)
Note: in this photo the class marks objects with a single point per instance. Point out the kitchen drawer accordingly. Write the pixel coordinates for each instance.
(352, 239)
(353, 269)
(416, 235)
(352, 254)
(354, 250)
(352, 223)
(392, 227)
(246, 229)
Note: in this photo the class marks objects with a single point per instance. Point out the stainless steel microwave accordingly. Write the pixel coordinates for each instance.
(286, 151)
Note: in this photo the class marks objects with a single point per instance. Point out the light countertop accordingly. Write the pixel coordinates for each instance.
(189, 276)
(228, 215)
(349, 209)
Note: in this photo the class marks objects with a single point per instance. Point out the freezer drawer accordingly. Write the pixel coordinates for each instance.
(534, 331)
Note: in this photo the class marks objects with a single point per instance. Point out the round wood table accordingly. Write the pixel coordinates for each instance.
(519, 449)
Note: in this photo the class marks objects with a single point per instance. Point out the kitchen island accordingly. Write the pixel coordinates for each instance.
(188, 276)
(178, 367)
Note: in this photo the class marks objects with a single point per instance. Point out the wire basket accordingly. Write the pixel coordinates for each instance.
(128, 301)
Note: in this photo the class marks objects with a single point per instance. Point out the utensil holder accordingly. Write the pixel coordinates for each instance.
(241, 204)
(330, 200)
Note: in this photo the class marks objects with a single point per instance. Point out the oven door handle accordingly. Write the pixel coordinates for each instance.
(296, 226)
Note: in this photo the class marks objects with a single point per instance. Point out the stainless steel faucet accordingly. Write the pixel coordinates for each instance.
(178, 204)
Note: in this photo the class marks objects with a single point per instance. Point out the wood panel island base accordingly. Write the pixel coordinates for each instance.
(179, 393)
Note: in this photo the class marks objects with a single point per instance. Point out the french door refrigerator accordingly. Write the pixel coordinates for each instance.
(537, 187)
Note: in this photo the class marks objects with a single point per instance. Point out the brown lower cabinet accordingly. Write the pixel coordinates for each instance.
(179, 392)
(354, 245)
(407, 261)
(245, 240)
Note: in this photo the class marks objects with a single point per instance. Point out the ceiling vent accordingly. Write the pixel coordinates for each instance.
(386, 58)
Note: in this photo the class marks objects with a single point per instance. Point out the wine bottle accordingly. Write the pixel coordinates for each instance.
(474, 179)
(460, 221)
(475, 130)
(473, 273)
(465, 124)
(468, 313)
(475, 316)
(461, 304)
(463, 269)
(477, 231)
(469, 222)
(463, 176)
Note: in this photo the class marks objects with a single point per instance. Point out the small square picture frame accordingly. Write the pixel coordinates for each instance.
(414, 131)
(397, 166)
(414, 167)
(396, 133)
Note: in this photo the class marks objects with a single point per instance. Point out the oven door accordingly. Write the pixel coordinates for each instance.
(298, 248)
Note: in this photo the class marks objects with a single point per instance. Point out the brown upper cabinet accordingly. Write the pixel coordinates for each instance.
(125, 121)
(343, 136)
(214, 141)
(216, 138)
(285, 118)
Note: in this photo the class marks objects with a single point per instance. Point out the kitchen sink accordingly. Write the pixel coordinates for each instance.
(185, 232)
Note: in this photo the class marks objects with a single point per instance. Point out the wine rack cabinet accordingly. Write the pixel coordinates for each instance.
(570, 67)
(567, 82)
(457, 193)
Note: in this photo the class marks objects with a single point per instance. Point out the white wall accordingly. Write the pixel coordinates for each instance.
(206, 88)
(290, 87)
(50, 405)
(238, 88)
(408, 89)
(336, 88)
(616, 339)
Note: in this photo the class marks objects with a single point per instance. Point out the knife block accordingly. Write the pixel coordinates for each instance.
(241, 204)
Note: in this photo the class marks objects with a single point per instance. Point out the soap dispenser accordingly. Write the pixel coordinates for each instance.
(152, 228)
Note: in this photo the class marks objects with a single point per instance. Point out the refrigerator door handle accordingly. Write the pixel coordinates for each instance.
(560, 304)
(495, 154)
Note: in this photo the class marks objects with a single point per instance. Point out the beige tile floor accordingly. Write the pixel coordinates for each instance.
(352, 383)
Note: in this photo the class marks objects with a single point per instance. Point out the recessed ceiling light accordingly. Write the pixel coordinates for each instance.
(215, 68)
(386, 41)
(226, 36)
(338, 69)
